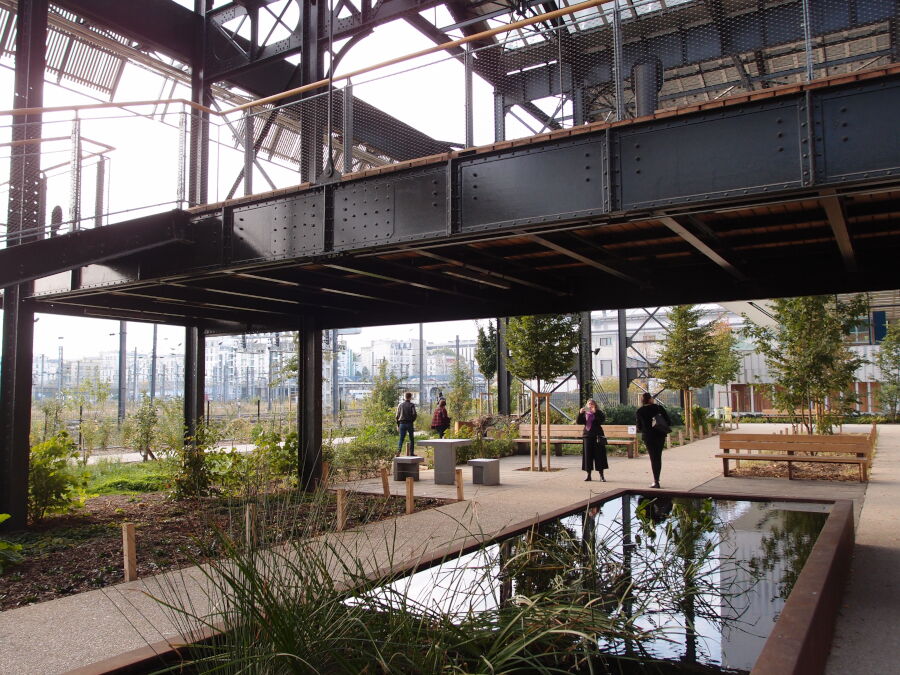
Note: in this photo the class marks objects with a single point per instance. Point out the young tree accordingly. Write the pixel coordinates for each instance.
(688, 357)
(379, 406)
(459, 395)
(888, 361)
(541, 349)
(486, 351)
(807, 356)
(727, 360)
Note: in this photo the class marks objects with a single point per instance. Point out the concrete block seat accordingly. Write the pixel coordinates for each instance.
(485, 471)
(407, 467)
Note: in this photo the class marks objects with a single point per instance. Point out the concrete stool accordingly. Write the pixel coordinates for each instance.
(485, 471)
(407, 467)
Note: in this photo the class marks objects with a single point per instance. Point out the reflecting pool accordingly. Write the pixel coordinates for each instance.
(681, 584)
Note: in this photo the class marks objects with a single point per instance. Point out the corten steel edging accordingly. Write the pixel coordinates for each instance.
(801, 639)
(799, 644)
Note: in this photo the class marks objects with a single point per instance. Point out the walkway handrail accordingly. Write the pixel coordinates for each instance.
(325, 82)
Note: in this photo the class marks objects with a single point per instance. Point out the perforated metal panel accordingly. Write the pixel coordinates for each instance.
(287, 229)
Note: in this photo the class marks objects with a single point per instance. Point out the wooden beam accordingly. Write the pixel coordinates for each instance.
(837, 218)
(701, 246)
(553, 246)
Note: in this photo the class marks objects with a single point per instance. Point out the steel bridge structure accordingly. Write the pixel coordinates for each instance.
(693, 151)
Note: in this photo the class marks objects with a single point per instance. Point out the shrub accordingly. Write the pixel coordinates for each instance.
(699, 419)
(192, 477)
(620, 414)
(280, 454)
(112, 478)
(9, 552)
(53, 483)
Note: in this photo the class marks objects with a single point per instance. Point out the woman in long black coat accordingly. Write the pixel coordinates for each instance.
(593, 454)
(653, 439)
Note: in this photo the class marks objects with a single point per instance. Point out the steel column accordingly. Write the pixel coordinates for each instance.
(153, 366)
(309, 404)
(622, 345)
(646, 79)
(499, 117)
(194, 379)
(123, 369)
(503, 406)
(470, 109)
(347, 133)
(585, 370)
(22, 225)
(335, 388)
(198, 160)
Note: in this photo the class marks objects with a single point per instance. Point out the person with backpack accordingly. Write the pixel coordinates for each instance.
(440, 420)
(653, 422)
(406, 416)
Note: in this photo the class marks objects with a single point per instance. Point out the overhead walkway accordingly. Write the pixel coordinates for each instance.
(787, 191)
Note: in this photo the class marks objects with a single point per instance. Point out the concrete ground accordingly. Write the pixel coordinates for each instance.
(64, 634)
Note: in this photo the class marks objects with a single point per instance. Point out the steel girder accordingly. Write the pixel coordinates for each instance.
(394, 244)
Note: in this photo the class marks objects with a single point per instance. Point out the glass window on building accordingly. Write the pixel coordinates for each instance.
(861, 333)
(604, 341)
(605, 367)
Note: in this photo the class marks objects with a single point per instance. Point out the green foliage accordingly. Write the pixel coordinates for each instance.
(9, 552)
(52, 409)
(688, 354)
(486, 350)
(620, 414)
(889, 364)
(192, 476)
(141, 428)
(233, 472)
(700, 419)
(807, 356)
(379, 407)
(727, 360)
(54, 485)
(280, 453)
(459, 395)
(170, 426)
(115, 478)
(541, 347)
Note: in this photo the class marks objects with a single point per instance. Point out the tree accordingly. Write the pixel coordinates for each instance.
(486, 351)
(807, 356)
(727, 360)
(541, 349)
(688, 357)
(142, 428)
(459, 395)
(380, 404)
(888, 361)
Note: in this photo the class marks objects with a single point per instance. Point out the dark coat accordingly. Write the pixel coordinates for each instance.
(593, 452)
(597, 428)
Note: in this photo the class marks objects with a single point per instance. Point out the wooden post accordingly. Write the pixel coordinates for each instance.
(532, 431)
(410, 497)
(547, 402)
(250, 525)
(459, 485)
(341, 510)
(384, 483)
(326, 469)
(668, 441)
(680, 437)
(128, 552)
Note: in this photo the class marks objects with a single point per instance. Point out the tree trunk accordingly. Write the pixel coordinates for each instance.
(540, 418)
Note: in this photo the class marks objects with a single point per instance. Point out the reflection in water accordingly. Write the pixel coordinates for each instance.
(669, 584)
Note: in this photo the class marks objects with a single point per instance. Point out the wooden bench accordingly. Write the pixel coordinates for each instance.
(616, 434)
(855, 449)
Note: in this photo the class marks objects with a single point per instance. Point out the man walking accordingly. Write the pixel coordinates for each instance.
(406, 415)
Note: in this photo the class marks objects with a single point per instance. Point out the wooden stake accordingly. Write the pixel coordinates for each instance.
(548, 431)
(668, 440)
(250, 525)
(341, 510)
(128, 551)
(459, 485)
(680, 437)
(326, 469)
(384, 483)
(410, 497)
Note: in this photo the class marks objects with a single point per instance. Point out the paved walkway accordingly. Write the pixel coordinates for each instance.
(60, 635)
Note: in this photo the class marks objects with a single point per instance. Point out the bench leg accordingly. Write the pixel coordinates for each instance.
(862, 473)
(725, 467)
(790, 470)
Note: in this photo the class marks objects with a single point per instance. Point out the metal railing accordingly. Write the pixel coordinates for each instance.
(598, 61)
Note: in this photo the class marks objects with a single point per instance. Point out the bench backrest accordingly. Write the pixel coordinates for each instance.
(574, 430)
(855, 444)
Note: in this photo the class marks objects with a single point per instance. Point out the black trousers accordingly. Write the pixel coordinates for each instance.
(654, 443)
(593, 453)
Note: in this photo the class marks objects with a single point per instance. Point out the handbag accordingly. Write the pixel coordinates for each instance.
(660, 424)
